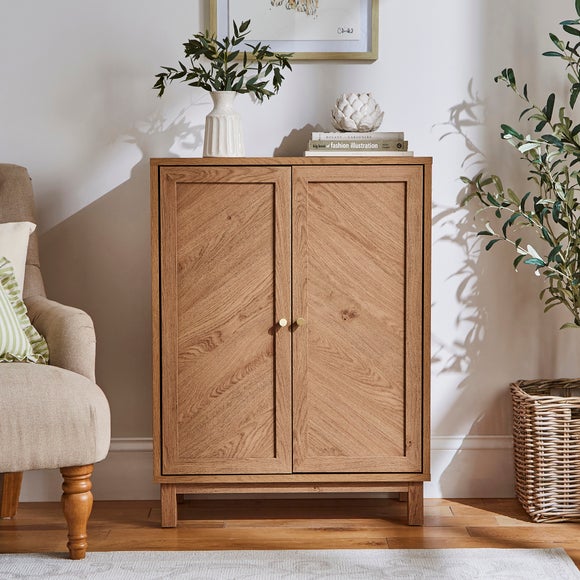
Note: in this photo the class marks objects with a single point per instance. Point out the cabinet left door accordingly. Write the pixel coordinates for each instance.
(224, 262)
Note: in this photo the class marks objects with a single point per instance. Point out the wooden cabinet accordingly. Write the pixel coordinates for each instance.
(291, 326)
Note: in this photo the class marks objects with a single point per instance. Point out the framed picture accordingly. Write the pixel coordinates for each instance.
(311, 29)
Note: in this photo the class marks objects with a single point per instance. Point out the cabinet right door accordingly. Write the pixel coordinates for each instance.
(357, 269)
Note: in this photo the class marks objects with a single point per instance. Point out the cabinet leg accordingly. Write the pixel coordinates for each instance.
(415, 504)
(168, 506)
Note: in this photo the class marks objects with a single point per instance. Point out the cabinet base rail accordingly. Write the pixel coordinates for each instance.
(171, 493)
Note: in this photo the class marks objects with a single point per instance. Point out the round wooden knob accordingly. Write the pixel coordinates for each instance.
(282, 322)
(300, 322)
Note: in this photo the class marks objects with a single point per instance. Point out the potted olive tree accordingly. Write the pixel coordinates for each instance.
(225, 69)
(542, 225)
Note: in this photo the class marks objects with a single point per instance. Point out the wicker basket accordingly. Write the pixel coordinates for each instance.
(547, 448)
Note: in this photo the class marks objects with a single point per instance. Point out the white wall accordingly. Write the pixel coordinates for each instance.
(77, 108)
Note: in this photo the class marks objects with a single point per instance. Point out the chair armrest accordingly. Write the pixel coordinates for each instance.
(69, 333)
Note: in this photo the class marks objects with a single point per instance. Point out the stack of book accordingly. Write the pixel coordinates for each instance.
(374, 143)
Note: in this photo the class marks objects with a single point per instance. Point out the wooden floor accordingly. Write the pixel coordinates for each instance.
(291, 524)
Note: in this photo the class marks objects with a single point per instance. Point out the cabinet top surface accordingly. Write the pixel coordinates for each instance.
(245, 161)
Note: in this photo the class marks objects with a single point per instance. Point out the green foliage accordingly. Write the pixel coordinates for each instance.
(550, 210)
(216, 65)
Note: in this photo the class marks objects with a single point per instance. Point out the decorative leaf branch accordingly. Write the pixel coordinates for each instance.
(551, 213)
(216, 65)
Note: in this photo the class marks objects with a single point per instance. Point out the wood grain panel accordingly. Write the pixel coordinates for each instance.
(226, 367)
(155, 317)
(274, 479)
(427, 244)
(358, 283)
(346, 161)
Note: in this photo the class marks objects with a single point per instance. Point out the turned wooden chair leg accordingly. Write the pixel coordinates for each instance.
(10, 484)
(77, 502)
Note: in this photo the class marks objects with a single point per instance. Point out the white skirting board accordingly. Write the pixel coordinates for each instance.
(472, 466)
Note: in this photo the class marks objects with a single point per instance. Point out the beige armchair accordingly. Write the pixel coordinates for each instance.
(51, 416)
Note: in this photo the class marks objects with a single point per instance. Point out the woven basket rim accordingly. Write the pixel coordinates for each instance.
(521, 385)
(540, 381)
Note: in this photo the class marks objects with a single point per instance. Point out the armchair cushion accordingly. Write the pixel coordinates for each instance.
(51, 418)
(19, 340)
(14, 246)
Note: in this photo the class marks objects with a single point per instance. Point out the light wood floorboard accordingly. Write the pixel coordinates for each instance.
(317, 523)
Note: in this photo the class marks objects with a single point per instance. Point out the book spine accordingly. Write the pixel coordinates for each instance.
(364, 145)
(374, 135)
(323, 153)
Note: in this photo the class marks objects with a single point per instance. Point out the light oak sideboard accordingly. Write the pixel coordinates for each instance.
(291, 301)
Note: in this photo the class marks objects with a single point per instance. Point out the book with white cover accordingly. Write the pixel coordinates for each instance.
(339, 136)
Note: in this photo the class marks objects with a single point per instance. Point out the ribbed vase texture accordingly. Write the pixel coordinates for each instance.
(223, 128)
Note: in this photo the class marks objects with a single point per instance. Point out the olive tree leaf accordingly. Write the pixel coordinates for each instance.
(571, 30)
(255, 70)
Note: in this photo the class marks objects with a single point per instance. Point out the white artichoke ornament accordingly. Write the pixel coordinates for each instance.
(356, 112)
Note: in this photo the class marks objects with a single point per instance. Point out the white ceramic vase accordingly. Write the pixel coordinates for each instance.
(223, 128)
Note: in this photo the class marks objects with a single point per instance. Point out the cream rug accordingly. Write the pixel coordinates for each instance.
(468, 564)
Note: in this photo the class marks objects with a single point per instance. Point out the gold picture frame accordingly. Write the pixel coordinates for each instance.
(366, 27)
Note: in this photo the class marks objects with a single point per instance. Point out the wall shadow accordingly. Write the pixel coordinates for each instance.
(296, 142)
(471, 345)
(488, 343)
(99, 259)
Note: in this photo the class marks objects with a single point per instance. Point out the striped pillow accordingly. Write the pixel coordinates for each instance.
(14, 237)
(19, 340)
